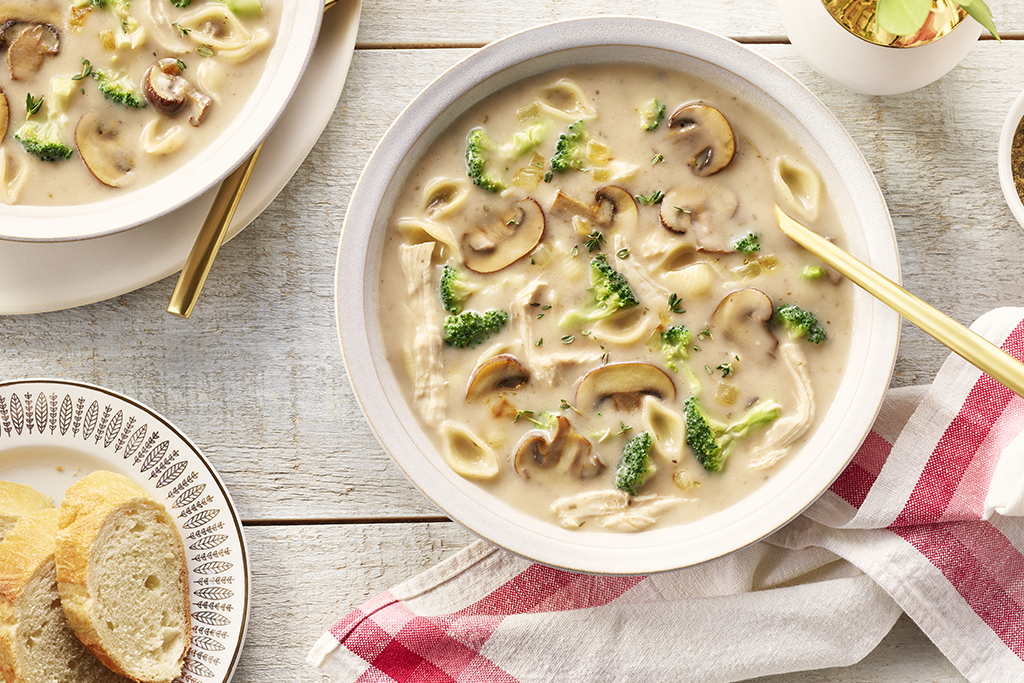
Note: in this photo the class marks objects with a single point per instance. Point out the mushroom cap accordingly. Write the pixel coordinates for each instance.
(503, 372)
(742, 318)
(613, 207)
(164, 88)
(26, 53)
(502, 242)
(625, 385)
(702, 212)
(105, 147)
(44, 12)
(704, 136)
(564, 450)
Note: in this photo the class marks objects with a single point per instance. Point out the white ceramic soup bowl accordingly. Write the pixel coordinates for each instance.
(802, 477)
(293, 45)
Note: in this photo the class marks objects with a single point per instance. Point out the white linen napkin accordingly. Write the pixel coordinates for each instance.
(927, 519)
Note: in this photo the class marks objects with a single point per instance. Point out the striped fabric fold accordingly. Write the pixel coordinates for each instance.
(928, 519)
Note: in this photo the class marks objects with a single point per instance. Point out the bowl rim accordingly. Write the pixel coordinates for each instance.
(1013, 119)
(289, 55)
(389, 416)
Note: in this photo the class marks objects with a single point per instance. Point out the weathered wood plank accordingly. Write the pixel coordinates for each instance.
(256, 376)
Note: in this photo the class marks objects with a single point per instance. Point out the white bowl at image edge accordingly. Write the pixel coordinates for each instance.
(1005, 148)
(293, 46)
(805, 475)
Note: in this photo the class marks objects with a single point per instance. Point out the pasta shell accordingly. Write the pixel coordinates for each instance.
(798, 186)
(666, 428)
(692, 282)
(466, 453)
(442, 196)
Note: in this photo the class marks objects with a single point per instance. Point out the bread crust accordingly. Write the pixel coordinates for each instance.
(25, 552)
(88, 506)
(17, 500)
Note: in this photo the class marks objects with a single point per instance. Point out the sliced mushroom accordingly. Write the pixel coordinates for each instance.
(612, 207)
(45, 13)
(168, 91)
(26, 53)
(504, 241)
(704, 137)
(742, 318)
(498, 373)
(625, 385)
(5, 115)
(103, 142)
(565, 450)
(701, 212)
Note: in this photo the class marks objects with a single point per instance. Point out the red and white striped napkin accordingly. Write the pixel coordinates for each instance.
(928, 519)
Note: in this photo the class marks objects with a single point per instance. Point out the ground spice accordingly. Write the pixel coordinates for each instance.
(1017, 159)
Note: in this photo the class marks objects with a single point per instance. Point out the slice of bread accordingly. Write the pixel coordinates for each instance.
(123, 577)
(36, 643)
(17, 500)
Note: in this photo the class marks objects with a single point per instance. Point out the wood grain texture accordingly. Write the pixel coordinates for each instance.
(256, 377)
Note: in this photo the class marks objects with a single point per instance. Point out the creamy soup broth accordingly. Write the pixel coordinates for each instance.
(730, 369)
(223, 55)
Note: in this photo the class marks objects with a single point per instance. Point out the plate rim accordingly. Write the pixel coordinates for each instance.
(115, 396)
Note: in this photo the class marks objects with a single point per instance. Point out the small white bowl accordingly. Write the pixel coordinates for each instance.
(293, 45)
(1013, 119)
(865, 67)
(803, 477)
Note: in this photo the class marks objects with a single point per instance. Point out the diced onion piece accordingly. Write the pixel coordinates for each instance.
(466, 453)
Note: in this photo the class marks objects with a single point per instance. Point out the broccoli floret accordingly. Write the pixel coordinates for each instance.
(611, 293)
(651, 115)
(455, 289)
(479, 152)
(120, 89)
(800, 323)
(44, 139)
(748, 244)
(812, 273)
(712, 441)
(526, 140)
(569, 150)
(471, 328)
(674, 343)
(634, 465)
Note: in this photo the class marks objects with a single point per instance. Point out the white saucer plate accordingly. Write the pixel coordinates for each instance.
(54, 432)
(36, 277)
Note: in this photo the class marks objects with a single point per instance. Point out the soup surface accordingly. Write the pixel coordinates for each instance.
(110, 94)
(594, 314)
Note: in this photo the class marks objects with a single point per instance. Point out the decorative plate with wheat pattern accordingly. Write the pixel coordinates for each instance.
(53, 432)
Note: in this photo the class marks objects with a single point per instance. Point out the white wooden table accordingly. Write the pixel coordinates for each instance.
(256, 379)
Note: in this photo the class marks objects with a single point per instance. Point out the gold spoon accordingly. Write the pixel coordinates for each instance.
(966, 343)
(211, 235)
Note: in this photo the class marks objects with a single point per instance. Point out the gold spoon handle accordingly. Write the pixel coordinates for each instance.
(211, 235)
(966, 343)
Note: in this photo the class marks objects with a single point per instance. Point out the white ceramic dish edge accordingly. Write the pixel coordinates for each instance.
(535, 51)
(1013, 119)
(286, 64)
(48, 442)
(36, 277)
